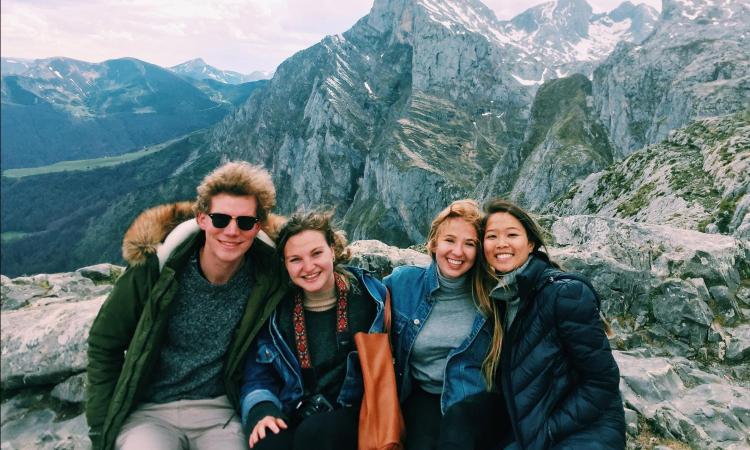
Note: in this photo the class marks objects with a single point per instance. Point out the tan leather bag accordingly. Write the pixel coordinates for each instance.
(381, 425)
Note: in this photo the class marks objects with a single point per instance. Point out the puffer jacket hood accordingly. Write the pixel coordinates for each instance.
(159, 230)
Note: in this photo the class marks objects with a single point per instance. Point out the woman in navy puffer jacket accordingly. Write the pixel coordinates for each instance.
(555, 368)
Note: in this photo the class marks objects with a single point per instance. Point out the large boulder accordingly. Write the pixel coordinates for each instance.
(44, 345)
(44, 327)
(683, 402)
(678, 301)
(674, 287)
(381, 259)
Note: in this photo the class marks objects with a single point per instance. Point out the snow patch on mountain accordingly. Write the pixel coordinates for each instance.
(199, 70)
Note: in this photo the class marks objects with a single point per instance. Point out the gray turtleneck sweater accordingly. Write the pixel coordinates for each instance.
(447, 326)
(507, 291)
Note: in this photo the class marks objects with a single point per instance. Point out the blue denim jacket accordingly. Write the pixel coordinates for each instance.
(272, 370)
(411, 293)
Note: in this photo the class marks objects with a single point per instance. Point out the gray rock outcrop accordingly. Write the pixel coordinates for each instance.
(697, 178)
(695, 64)
(678, 302)
(45, 322)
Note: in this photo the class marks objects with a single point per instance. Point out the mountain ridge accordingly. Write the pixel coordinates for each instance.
(400, 115)
(64, 109)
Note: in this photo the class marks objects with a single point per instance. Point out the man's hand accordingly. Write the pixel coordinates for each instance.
(274, 424)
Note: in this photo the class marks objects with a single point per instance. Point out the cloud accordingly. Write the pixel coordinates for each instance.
(242, 35)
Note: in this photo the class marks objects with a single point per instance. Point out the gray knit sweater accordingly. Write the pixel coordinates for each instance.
(201, 322)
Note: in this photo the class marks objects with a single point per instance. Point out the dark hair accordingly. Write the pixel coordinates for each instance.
(534, 232)
(321, 221)
(535, 235)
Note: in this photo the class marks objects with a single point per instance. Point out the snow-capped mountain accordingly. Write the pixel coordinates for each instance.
(564, 37)
(550, 40)
(199, 70)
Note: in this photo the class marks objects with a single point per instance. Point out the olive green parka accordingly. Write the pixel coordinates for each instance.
(126, 336)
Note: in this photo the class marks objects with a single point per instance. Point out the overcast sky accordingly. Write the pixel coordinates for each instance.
(240, 35)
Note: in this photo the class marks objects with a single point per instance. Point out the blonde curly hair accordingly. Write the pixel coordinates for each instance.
(238, 178)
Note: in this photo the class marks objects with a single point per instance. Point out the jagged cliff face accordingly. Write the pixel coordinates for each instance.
(698, 178)
(420, 103)
(376, 121)
(695, 64)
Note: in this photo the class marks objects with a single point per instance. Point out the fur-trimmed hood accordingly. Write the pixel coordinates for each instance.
(159, 230)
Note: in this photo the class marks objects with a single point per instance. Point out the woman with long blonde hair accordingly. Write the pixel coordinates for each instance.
(441, 336)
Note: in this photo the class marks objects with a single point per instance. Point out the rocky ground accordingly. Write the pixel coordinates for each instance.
(698, 178)
(678, 300)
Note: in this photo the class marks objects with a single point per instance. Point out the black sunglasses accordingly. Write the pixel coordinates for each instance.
(220, 220)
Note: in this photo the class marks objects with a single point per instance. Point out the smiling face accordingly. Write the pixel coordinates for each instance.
(506, 243)
(225, 247)
(455, 247)
(309, 260)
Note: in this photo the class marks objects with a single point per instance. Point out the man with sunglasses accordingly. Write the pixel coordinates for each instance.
(166, 349)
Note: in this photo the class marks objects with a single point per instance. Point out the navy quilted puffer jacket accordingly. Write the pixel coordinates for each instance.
(557, 373)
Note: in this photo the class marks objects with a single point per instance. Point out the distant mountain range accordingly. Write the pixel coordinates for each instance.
(196, 69)
(61, 109)
(422, 102)
(199, 70)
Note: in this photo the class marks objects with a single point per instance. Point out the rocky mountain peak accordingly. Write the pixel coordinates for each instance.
(399, 17)
(642, 19)
(569, 38)
(193, 64)
(573, 16)
(198, 69)
(392, 17)
(196, 62)
(694, 64)
(568, 16)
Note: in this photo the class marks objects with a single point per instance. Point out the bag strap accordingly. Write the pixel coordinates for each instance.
(387, 312)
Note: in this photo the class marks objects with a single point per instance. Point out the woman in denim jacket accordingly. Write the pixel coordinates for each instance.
(441, 337)
(302, 383)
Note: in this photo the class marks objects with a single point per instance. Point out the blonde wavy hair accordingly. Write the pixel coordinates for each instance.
(470, 211)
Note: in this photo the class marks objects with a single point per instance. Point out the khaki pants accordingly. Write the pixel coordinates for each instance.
(183, 425)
